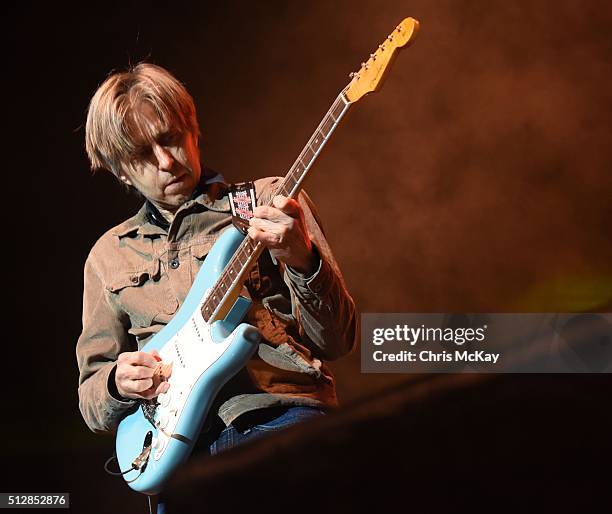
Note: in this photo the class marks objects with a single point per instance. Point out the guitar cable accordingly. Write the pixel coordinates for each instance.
(137, 464)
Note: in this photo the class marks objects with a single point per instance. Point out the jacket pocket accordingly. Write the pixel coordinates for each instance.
(202, 247)
(142, 297)
(199, 250)
(285, 357)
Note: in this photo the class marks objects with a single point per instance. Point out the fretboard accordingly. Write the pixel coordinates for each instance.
(247, 253)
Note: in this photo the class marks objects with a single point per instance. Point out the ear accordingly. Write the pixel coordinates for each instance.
(125, 180)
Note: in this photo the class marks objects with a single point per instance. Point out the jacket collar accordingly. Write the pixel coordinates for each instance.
(211, 193)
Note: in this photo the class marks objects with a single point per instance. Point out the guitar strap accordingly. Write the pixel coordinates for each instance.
(242, 202)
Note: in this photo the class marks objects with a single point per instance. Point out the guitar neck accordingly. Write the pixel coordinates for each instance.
(291, 184)
(229, 284)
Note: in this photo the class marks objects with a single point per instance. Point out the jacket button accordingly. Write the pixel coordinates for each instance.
(174, 263)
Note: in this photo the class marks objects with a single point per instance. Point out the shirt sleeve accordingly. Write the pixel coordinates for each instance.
(103, 338)
(321, 304)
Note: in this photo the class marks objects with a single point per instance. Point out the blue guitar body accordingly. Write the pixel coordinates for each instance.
(204, 357)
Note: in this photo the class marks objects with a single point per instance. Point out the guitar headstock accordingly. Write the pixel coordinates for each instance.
(369, 78)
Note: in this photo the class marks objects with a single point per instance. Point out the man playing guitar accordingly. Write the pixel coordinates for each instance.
(142, 127)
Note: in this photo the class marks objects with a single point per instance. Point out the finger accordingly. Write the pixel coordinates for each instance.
(132, 388)
(269, 239)
(286, 222)
(138, 372)
(156, 355)
(140, 386)
(279, 201)
(138, 359)
(154, 392)
(268, 212)
(149, 394)
(162, 388)
(287, 205)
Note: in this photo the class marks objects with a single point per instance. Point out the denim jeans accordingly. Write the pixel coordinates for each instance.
(248, 427)
(253, 425)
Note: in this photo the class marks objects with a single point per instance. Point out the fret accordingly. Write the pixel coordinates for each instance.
(295, 171)
(316, 142)
(309, 154)
(338, 110)
(327, 126)
(315, 147)
(290, 181)
(282, 189)
(294, 177)
(244, 254)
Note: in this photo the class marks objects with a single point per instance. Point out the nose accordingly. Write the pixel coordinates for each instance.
(165, 160)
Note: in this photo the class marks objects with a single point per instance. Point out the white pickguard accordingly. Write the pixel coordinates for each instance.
(191, 351)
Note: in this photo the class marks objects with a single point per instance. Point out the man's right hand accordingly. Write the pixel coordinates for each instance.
(134, 375)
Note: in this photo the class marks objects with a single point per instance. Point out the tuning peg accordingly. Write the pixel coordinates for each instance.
(390, 38)
(373, 57)
(352, 74)
(381, 47)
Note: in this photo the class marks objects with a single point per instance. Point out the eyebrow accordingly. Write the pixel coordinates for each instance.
(171, 134)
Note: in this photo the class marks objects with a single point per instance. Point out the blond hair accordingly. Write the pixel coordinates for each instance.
(116, 125)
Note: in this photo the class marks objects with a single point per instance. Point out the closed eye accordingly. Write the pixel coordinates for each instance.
(141, 152)
(170, 138)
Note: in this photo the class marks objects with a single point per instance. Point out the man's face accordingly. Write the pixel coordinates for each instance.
(167, 171)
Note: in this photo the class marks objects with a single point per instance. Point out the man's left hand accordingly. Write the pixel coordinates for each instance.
(281, 228)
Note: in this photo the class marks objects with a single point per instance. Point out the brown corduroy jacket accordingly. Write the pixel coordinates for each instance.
(138, 274)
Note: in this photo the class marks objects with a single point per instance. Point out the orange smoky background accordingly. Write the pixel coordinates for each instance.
(476, 180)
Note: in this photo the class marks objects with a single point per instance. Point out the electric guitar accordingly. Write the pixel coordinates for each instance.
(205, 341)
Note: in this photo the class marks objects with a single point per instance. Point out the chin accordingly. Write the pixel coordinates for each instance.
(179, 199)
(180, 196)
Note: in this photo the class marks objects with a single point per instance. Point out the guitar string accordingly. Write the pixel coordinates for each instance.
(248, 244)
(250, 247)
(230, 268)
